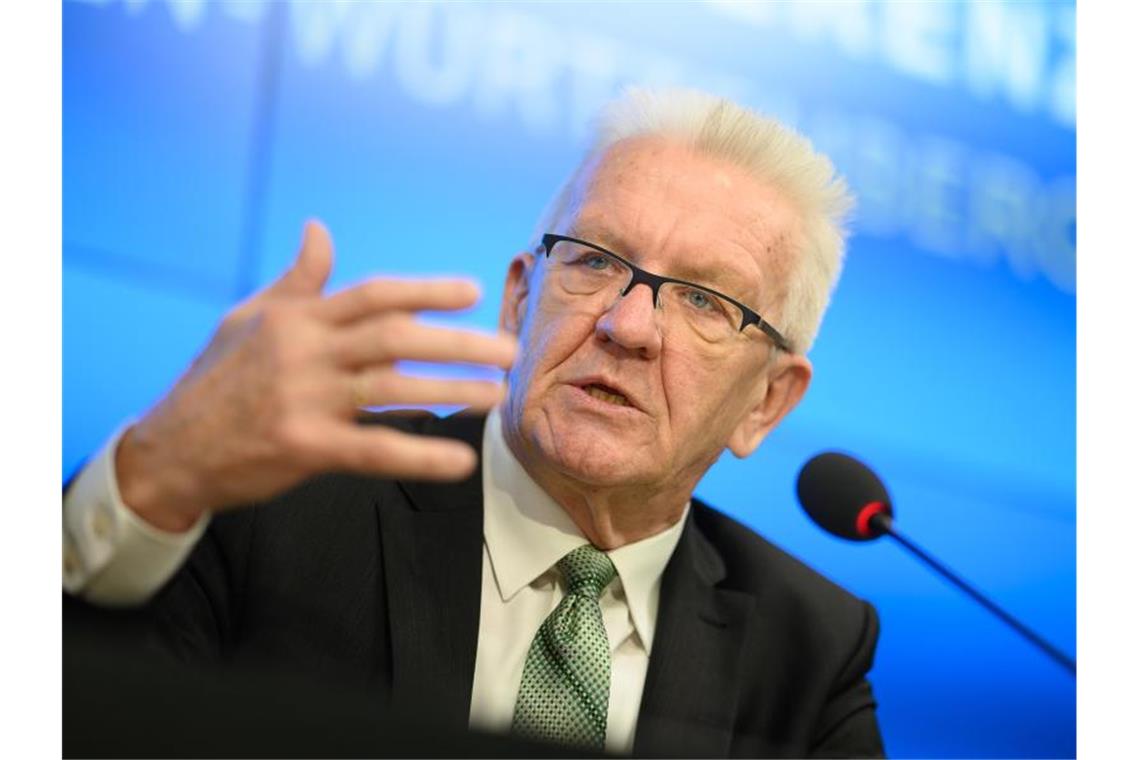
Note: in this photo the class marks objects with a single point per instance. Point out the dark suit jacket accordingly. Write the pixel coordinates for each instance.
(378, 582)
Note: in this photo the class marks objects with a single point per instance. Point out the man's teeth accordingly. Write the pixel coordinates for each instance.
(601, 395)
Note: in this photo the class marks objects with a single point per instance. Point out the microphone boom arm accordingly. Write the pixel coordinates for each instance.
(882, 523)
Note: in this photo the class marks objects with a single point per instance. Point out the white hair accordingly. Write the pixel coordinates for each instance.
(771, 152)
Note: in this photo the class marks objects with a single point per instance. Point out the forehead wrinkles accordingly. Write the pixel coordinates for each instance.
(635, 189)
(620, 188)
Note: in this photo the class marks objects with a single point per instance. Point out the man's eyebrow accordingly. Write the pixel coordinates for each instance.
(728, 280)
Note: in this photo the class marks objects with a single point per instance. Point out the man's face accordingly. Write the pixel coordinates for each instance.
(673, 212)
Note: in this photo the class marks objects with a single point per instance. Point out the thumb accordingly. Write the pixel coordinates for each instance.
(310, 269)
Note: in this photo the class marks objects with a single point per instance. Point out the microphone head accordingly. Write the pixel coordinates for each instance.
(841, 494)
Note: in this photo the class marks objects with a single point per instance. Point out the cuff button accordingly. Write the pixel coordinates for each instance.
(101, 523)
(70, 562)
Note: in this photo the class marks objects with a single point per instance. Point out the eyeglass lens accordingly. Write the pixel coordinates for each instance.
(584, 271)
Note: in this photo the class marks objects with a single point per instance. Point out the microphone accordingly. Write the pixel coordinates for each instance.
(844, 497)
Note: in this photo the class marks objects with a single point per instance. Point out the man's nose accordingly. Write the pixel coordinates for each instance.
(631, 322)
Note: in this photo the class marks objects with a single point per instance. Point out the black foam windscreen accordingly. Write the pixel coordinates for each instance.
(837, 492)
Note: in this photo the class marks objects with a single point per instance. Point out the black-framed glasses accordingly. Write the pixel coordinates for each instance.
(584, 268)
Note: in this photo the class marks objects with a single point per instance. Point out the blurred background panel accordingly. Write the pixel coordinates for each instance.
(199, 136)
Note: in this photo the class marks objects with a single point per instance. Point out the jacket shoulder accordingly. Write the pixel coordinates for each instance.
(778, 580)
(464, 425)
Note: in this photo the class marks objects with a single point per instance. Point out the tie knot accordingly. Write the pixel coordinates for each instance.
(587, 571)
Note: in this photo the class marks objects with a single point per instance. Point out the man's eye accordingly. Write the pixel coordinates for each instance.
(596, 262)
(699, 300)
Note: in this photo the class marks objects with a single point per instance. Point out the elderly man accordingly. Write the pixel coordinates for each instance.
(542, 570)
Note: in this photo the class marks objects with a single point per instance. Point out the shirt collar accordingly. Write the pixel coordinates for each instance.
(527, 532)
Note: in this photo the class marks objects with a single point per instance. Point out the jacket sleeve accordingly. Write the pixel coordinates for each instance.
(195, 616)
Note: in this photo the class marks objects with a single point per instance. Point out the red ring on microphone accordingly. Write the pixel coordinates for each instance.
(863, 520)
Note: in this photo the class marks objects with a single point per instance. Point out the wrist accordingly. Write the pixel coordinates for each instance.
(150, 488)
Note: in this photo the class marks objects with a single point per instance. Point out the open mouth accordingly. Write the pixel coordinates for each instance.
(606, 394)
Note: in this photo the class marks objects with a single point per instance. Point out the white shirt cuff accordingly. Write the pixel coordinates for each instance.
(111, 556)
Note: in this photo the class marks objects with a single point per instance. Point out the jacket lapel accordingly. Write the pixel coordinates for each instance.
(691, 689)
(433, 564)
(433, 546)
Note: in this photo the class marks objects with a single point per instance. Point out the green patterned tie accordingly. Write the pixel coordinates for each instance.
(565, 691)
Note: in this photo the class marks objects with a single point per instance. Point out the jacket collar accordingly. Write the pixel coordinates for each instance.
(457, 496)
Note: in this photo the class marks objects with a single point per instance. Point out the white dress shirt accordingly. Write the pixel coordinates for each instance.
(113, 557)
(525, 533)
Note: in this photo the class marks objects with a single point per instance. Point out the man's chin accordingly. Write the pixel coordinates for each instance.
(596, 461)
(593, 449)
(608, 474)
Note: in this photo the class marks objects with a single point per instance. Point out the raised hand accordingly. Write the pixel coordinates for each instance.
(273, 397)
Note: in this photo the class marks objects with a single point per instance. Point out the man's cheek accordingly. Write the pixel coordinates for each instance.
(534, 370)
(557, 339)
(689, 381)
(697, 402)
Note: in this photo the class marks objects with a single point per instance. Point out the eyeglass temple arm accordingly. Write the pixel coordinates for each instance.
(752, 318)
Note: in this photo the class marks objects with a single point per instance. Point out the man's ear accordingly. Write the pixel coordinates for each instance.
(778, 393)
(515, 292)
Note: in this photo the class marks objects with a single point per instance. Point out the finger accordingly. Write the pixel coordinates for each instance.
(384, 387)
(380, 295)
(392, 338)
(311, 268)
(389, 453)
(307, 275)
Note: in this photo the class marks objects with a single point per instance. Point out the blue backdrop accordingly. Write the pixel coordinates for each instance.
(198, 137)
